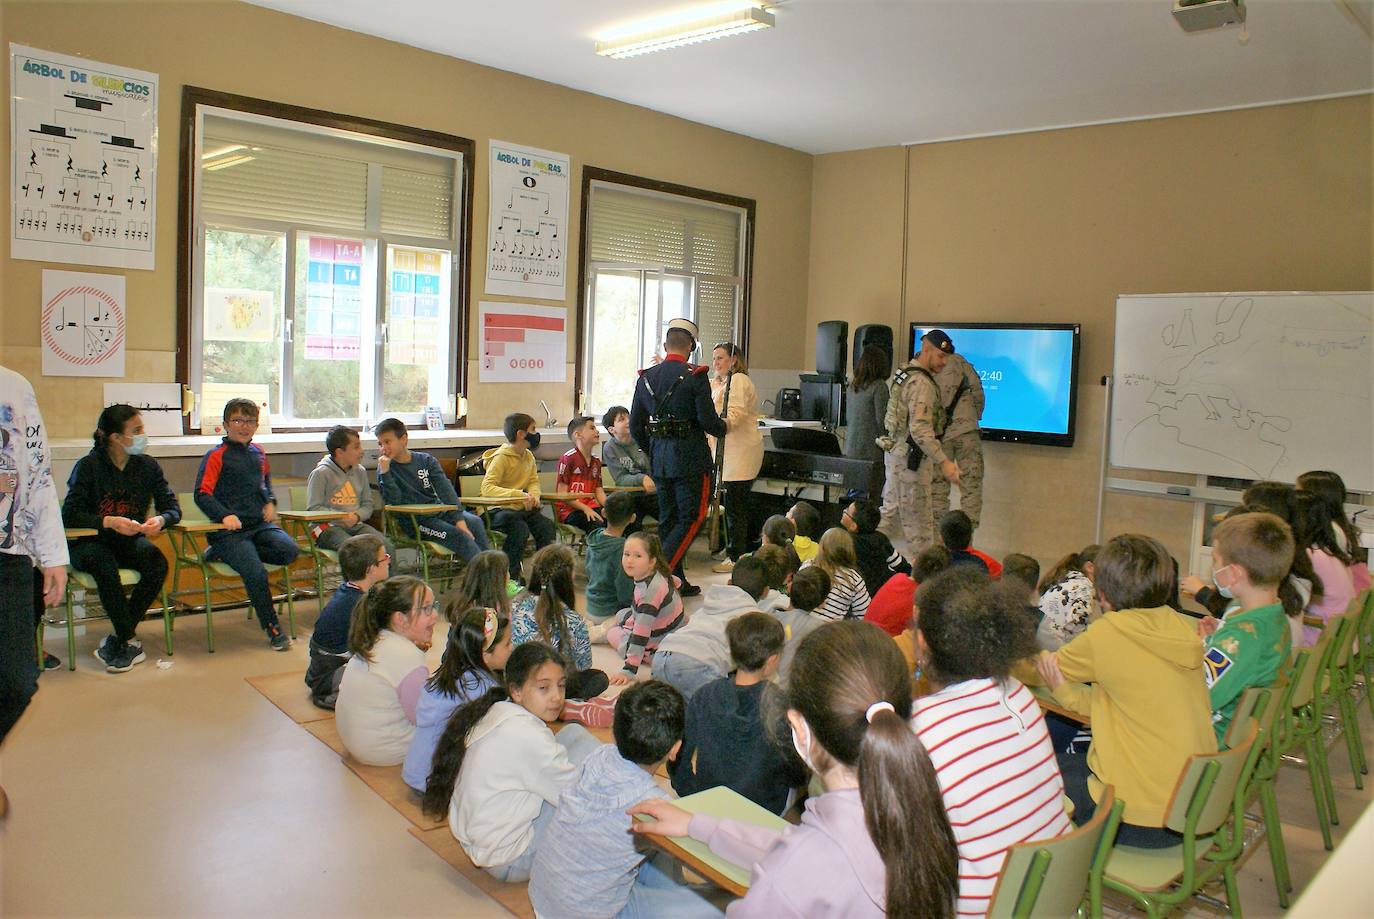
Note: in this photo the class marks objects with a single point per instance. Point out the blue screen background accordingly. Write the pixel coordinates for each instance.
(1027, 375)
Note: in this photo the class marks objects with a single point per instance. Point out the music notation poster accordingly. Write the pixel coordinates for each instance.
(83, 324)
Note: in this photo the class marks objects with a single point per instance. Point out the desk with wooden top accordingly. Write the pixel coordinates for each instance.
(717, 802)
(320, 516)
(80, 532)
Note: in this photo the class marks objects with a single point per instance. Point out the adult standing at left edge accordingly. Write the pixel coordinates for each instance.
(670, 417)
(30, 533)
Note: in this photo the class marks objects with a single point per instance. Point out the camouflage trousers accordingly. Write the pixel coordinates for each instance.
(967, 451)
(907, 510)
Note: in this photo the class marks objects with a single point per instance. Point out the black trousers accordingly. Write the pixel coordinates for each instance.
(586, 684)
(18, 672)
(102, 557)
(519, 525)
(738, 538)
(681, 509)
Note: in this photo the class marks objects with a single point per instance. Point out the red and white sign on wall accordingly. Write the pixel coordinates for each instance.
(523, 343)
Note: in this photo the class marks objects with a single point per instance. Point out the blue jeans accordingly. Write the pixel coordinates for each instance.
(247, 551)
(657, 896)
(683, 673)
(466, 547)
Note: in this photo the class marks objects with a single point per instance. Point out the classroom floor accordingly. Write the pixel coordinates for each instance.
(184, 792)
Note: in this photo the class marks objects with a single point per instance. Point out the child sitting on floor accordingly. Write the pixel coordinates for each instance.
(478, 647)
(609, 588)
(484, 583)
(732, 736)
(875, 558)
(810, 587)
(657, 608)
(1023, 573)
(956, 532)
(363, 561)
(780, 566)
(893, 610)
(498, 770)
(588, 866)
(848, 598)
(807, 520)
(781, 532)
(545, 612)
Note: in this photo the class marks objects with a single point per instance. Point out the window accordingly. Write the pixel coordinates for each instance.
(653, 253)
(325, 263)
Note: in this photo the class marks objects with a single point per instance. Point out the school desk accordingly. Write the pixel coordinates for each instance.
(1048, 704)
(717, 802)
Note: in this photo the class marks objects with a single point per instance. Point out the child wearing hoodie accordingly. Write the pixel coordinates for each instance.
(498, 770)
(588, 866)
(609, 588)
(513, 473)
(807, 520)
(1148, 699)
(730, 738)
(810, 587)
(339, 483)
(876, 843)
(698, 653)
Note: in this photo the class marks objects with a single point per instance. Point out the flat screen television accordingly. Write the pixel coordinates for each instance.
(1029, 373)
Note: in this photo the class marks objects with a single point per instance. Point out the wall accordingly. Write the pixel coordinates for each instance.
(1053, 226)
(243, 49)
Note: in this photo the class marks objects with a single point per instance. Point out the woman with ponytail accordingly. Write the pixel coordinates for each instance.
(877, 842)
(375, 711)
(110, 491)
(986, 736)
(498, 769)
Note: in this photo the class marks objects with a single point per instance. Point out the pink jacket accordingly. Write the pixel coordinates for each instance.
(1338, 589)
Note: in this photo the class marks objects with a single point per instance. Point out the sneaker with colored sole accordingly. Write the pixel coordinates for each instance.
(279, 639)
(124, 657)
(593, 713)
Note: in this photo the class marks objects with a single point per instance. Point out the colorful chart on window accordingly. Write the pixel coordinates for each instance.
(84, 161)
(417, 305)
(334, 299)
(523, 343)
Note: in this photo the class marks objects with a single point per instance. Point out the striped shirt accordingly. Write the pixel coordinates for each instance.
(848, 597)
(997, 773)
(657, 611)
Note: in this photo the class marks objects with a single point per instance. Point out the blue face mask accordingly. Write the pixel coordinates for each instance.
(532, 440)
(140, 443)
(1224, 591)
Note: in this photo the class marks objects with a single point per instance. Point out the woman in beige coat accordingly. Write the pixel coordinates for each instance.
(743, 447)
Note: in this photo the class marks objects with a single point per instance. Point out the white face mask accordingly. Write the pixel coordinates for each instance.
(803, 746)
(1224, 591)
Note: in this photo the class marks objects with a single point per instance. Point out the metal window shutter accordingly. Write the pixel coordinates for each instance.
(417, 203)
(276, 183)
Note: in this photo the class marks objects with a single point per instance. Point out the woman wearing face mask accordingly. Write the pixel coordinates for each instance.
(110, 491)
(877, 842)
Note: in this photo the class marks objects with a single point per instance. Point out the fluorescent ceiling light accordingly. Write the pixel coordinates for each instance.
(686, 33)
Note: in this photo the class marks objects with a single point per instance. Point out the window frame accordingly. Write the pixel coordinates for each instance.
(594, 174)
(193, 100)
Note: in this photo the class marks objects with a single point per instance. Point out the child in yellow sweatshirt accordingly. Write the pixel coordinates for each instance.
(1148, 695)
(513, 473)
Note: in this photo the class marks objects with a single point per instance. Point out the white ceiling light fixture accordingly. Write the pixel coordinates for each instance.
(686, 33)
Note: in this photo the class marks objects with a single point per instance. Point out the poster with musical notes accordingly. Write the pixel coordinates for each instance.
(83, 324)
(527, 229)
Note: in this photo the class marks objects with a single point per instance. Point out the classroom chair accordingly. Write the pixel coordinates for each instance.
(1364, 650)
(470, 486)
(548, 485)
(1203, 809)
(436, 559)
(188, 550)
(1340, 688)
(1051, 877)
(1298, 741)
(1264, 704)
(304, 535)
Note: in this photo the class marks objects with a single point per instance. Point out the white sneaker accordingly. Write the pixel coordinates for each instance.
(723, 567)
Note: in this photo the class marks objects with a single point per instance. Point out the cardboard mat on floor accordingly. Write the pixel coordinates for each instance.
(288, 692)
(513, 897)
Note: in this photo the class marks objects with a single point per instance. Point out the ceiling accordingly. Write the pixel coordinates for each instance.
(851, 74)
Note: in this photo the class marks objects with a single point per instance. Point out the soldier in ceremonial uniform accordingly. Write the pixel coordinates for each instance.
(670, 417)
(915, 420)
(962, 391)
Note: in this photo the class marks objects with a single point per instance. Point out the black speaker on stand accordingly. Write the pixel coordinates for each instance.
(823, 391)
(872, 334)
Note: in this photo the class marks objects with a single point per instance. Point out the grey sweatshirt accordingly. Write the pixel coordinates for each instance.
(703, 637)
(329, 488)
(627, 462)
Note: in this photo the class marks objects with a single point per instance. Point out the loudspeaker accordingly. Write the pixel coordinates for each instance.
(865, 335)
(832, 339)
(822, 399)
(788, 405)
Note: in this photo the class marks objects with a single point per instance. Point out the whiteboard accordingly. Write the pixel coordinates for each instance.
(1245, 385)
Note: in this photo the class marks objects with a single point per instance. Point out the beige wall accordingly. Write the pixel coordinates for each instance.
(242, 49)
(1052, 226)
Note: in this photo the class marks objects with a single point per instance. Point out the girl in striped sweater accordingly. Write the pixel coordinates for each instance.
(657, 608)
(848, 597)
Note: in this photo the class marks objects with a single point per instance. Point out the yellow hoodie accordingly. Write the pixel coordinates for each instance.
(1148, 703)
(510, 472)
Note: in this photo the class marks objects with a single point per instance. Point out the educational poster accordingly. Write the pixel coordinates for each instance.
(334, 299)
(160, 405)
(83, 324)
(238, 314)
(84, 157)
(527, 222)
(417, 308)
(523, 343)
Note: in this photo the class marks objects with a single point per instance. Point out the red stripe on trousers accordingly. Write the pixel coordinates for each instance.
(691, 533)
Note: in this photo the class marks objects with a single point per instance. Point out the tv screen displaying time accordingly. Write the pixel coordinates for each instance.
(1029, 374)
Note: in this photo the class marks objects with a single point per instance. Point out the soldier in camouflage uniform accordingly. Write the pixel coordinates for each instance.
(915, 418)
(962, 441)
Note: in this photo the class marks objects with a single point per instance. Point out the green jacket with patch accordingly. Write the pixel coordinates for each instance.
(1246, 651)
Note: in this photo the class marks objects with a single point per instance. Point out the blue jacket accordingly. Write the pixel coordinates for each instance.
(420, 481)
(331, 629)
(432, 713)
(690, 399)
(236, 479)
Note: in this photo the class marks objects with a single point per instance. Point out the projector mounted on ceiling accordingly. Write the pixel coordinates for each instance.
(1201, 15)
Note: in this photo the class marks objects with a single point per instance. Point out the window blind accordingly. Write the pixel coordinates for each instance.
(417, 203)
(655, 231)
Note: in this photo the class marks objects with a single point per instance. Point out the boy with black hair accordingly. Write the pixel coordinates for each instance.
(580, 472)
(877, 560)
(956, 532)
(930, 562)
(1024, 572)
(609, 588)
(407, 476)
(587, 865)
(728, 732)
(698, 653)
(363, 561)
(807, 520)
(513, 473)
(628, 463)
(1251, 556)
(234, 488)
(810, 587)
(339, 483)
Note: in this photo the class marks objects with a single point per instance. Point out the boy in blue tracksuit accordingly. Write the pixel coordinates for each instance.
(234, 487)
(408, 476)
